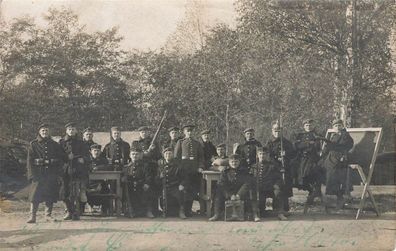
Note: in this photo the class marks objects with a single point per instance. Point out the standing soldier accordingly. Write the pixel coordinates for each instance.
(234, 184)
(173, 138)
(190, 153)
(151, 155)
(335, 161)
(76, 172)
(139, 180)
(247, 150)
(44, 163)
(283, 158)
(209, 149)
(88, 137)
(267, 183)
(307, 174)
(117, 151)
(170, 177)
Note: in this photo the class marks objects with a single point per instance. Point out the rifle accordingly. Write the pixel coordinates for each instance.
(282, 150)
(257, 184)
(159, 128)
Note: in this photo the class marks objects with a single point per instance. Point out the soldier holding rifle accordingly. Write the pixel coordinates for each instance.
(75, 178)
(171, 178)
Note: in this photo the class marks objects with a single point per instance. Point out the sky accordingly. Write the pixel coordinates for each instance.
(144, 24)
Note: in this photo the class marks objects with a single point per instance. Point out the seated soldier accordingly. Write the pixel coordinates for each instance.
(98, 187)
(221, 160)
(266, 173)
(171, 180)
(234, 184)
(139, 182)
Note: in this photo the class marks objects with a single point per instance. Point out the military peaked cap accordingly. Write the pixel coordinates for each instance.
(96, 146)
(70, 124)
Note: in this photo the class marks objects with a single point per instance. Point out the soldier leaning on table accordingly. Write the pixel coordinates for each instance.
(76, 171)
(44, 163)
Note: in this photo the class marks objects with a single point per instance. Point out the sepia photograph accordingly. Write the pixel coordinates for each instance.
(198, 125)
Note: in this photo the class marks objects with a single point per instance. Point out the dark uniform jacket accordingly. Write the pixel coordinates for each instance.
(172, 173)
(144, 144)
(274, 147)
(79, 157)
(247, 151)
(170, 143)
(235, 181)
(190, 152)
(117, 153)
(335, 161)
(138, 173)
(44, 163)
(209, 151)
(307, 156)
(267, 173)
(100, 164)
(89, 143)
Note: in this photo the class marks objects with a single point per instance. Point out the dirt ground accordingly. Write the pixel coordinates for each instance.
(313, 231)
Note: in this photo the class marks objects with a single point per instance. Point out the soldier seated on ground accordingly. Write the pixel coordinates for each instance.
(267, 176)
(172, 181)
(98, 188)
(138, 178)
(234, 184)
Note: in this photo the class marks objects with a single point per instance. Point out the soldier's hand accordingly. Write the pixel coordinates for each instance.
(181, 187)
(233, 197)
(312, 142)
(151, 147)
(237, 197)
(162, 175)
(283, 153)
(80, 160)
(200, 170)
(71, 156)
(146, 187)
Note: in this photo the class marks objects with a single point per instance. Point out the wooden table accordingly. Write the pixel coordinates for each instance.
(209, 176)
(110, 175)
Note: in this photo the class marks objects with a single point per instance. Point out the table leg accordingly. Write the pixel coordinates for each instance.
(209, 195)
(119, 197)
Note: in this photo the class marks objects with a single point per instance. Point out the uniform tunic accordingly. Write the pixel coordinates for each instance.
(306, 170)
(138, 174)
(170, 143)
(209, 151)
(117, 153)
(172, 177)
(44, 163)
(336, 162)
(190, 154)
(274, 147)
(98, 186)
(247, 151)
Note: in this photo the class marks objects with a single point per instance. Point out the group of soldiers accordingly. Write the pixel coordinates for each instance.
(166, 178)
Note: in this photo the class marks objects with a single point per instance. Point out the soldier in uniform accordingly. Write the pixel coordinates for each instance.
(76, 172)
(267, 183)
(117, 151)
(88, 136)
(234, 184)
(307, 174)
(151, 155)
(335, 161)
(173, 138)
(190, 153)
(247, 150)
(139, 180)
(209, 149)
(98, 163)
(44, 163)
(274, 147)
(172, 180)
(221, 160)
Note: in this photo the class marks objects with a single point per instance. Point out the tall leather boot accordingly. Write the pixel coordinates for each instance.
(48, 211)
(181, 213)
(256, 216)
(33, 212)
(69, 210)
(216, 210)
